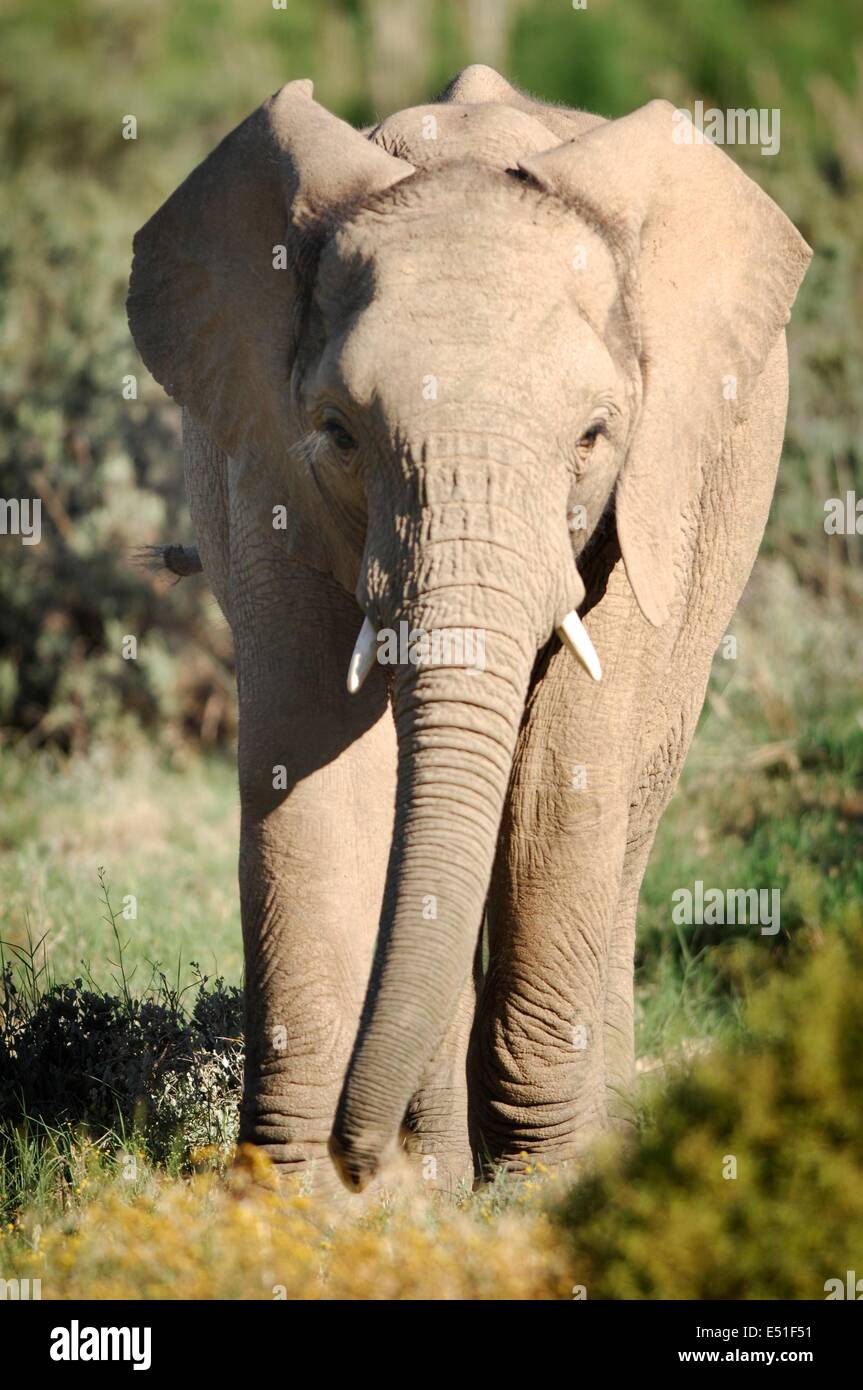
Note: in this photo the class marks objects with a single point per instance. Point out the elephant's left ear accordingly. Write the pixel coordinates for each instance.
(710, 267)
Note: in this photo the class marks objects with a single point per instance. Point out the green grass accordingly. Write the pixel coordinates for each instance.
(165, 834)
(769, 798)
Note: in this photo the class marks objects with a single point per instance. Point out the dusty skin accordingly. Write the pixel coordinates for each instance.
(492, 364)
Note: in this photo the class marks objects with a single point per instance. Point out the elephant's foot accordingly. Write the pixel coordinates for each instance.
(534, 1100)
(293, 1145)
(523, 1154)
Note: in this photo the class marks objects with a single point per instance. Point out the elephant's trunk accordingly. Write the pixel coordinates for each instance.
(456, 735)
(457, 730)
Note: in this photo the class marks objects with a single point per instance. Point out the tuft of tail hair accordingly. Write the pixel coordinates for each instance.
(180, 560)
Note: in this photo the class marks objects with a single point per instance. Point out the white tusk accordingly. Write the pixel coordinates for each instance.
(363, 658)
(573, 635)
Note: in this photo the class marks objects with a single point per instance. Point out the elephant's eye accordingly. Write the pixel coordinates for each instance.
(342, 439)
(588, 440)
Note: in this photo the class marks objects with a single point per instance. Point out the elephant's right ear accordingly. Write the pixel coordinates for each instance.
(211, 290)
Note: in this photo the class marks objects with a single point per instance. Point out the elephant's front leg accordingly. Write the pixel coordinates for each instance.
(317, 777)
(539, 1068)
(540, 1054)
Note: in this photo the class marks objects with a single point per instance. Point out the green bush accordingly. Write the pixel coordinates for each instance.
(782, 1111)
(109, 473)
(76, 1056)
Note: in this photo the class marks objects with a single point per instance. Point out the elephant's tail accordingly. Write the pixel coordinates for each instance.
(181, 560)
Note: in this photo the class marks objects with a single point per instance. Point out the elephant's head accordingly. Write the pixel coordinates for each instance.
(450, 353)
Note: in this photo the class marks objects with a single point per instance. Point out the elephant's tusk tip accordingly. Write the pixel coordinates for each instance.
(353, 682)
(363, 657)
(573, 635)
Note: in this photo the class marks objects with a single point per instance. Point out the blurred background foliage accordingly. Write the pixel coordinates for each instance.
(109, 469)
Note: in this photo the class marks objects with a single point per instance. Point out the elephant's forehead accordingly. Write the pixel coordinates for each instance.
(468, 209)
(486, 311)
(466, 235)
(489, 132)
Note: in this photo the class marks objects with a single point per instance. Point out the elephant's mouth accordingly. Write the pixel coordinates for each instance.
(571, 631)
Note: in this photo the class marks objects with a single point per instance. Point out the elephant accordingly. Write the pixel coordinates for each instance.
(494, 367)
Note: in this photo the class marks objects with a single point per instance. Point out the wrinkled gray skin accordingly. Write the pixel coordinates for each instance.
(480, 324)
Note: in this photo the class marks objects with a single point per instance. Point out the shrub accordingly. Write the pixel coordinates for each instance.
(665, 1219)
(77, 1056)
